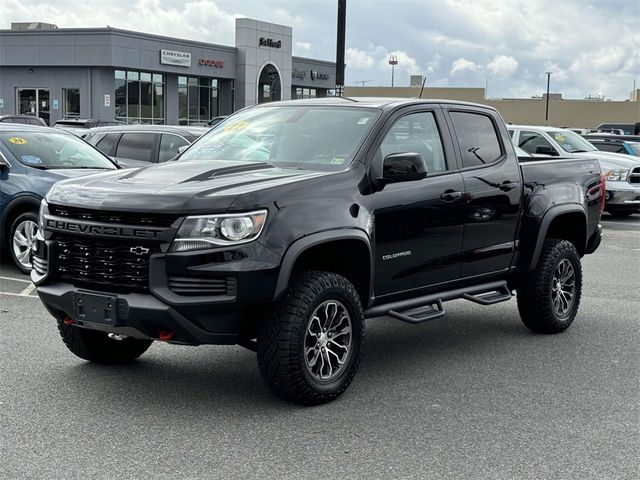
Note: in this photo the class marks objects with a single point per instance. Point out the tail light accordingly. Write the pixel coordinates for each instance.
(603, 192)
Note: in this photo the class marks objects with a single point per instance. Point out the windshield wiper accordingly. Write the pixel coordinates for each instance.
(583, 151)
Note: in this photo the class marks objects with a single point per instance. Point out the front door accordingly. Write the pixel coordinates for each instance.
(418, 226)
(34, 101)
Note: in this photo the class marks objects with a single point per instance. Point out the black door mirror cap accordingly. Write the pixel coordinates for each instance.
(403, 167)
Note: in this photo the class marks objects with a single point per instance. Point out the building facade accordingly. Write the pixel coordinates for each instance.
(150, 79)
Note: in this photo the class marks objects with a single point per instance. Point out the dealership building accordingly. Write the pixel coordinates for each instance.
(108, 73)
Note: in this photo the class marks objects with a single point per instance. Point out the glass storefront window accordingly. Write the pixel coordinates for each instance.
(71, 102)
(197, 100)
(139, 97)
(306, 93)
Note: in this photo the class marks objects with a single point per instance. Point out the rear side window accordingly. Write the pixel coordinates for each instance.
(106, 143)
(136, 146)
(169, 145)
(477, 138)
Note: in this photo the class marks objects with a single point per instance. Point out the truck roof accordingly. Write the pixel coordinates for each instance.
(544, 128)
(375, 102)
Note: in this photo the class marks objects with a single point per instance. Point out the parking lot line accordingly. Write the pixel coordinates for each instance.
(18, 295)
(15, 279)
(28, 289)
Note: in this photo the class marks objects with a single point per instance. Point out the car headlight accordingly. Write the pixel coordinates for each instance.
(208, 231)
(44, 208)
(617, 175)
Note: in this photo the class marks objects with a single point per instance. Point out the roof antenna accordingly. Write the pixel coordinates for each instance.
(424, 80)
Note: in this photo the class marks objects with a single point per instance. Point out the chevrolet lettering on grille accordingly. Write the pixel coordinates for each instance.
(103, 230)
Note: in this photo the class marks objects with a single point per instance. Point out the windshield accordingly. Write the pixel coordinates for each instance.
(572, 142)
(635, 146)
(53, 150)
(311, 138)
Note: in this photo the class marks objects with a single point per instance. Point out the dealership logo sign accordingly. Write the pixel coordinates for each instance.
(299, 73)
(269, 42)
(319, 75)
(178, 59)
(211, 62)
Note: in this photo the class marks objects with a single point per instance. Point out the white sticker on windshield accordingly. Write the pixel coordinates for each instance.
(211, 148)
(363, 121)
(32, 159)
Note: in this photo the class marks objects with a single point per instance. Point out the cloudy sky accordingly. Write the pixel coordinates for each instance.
(591, 46)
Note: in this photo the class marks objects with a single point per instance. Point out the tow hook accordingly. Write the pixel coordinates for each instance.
(68, 321)
(166, 335)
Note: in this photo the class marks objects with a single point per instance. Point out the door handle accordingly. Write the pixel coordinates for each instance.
(450, 195)
(507, 186)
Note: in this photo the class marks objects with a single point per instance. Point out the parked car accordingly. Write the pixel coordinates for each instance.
(614, 144)
(626, 128)
(80, 127)
(216, 120)
(139, 145)
(31, 160)
(622, 171)
(23, 119)
(283, 230)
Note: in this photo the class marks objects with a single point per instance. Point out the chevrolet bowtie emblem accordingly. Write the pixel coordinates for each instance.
(139, 250)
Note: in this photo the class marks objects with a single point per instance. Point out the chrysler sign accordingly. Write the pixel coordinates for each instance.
(178, 59)
(269, 42)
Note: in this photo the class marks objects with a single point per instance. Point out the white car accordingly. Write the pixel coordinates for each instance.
(621, 171)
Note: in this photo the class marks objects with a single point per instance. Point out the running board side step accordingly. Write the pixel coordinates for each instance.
(420, 314)
(429, 307)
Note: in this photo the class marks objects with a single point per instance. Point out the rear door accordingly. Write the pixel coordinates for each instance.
(418, 228)
(493, 190)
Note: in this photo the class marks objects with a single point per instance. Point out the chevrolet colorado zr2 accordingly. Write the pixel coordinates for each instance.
(289, 223)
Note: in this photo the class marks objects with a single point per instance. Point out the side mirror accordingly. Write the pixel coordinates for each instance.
(403, 167)
(181, 149)
(547, 150)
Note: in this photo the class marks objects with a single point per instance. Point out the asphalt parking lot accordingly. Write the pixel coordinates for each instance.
(473, 395)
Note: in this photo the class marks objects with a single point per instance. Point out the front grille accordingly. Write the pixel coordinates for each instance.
(125, 218)
(225, 286)
(117, 265)
(634, 177)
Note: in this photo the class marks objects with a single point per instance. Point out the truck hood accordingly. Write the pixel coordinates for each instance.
(58, 174)
(610, 159)
(175, 187)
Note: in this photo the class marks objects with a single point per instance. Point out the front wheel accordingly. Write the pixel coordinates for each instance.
(22, 237)
(310, 347)
(549, 297)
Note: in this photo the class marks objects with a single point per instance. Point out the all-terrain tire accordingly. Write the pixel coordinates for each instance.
(97, 347)
(282, 336)
(536, 292)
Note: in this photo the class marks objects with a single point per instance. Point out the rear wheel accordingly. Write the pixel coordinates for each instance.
(98, 347)
(22, 237)
(549, 297)
(310, 347)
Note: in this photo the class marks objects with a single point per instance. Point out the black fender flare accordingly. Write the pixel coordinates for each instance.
(551, 214)
(25, 199)
(303, 244)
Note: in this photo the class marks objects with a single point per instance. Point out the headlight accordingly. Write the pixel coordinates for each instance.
(208, 231)
(617, 175)
(43, 209)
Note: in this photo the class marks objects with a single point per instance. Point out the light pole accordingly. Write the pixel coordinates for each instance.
(546, 110)
(340, 40)
(393, 61)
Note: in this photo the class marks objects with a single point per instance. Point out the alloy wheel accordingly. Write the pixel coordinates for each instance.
(327, 345)
(24, 237)
(563, 288)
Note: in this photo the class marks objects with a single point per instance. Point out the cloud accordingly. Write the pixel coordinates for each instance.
(462, 65)
(503, 66)
(304, 46)
(356, 58)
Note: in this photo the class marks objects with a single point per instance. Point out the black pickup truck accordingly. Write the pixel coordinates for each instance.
(289, 223)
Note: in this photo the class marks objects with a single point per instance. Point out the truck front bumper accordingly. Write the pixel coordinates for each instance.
(180, 305)
(623, 196)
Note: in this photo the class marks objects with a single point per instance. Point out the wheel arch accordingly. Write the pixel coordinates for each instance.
(566, 222)
(346, 252)
(14, 208)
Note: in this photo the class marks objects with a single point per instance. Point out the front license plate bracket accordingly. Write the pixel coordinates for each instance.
(94, 308)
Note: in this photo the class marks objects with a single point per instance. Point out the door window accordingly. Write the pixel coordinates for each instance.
(106, 143)
(136, 146)
(169, 145)
(530, 141)
(416, 133)
(477, 138)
